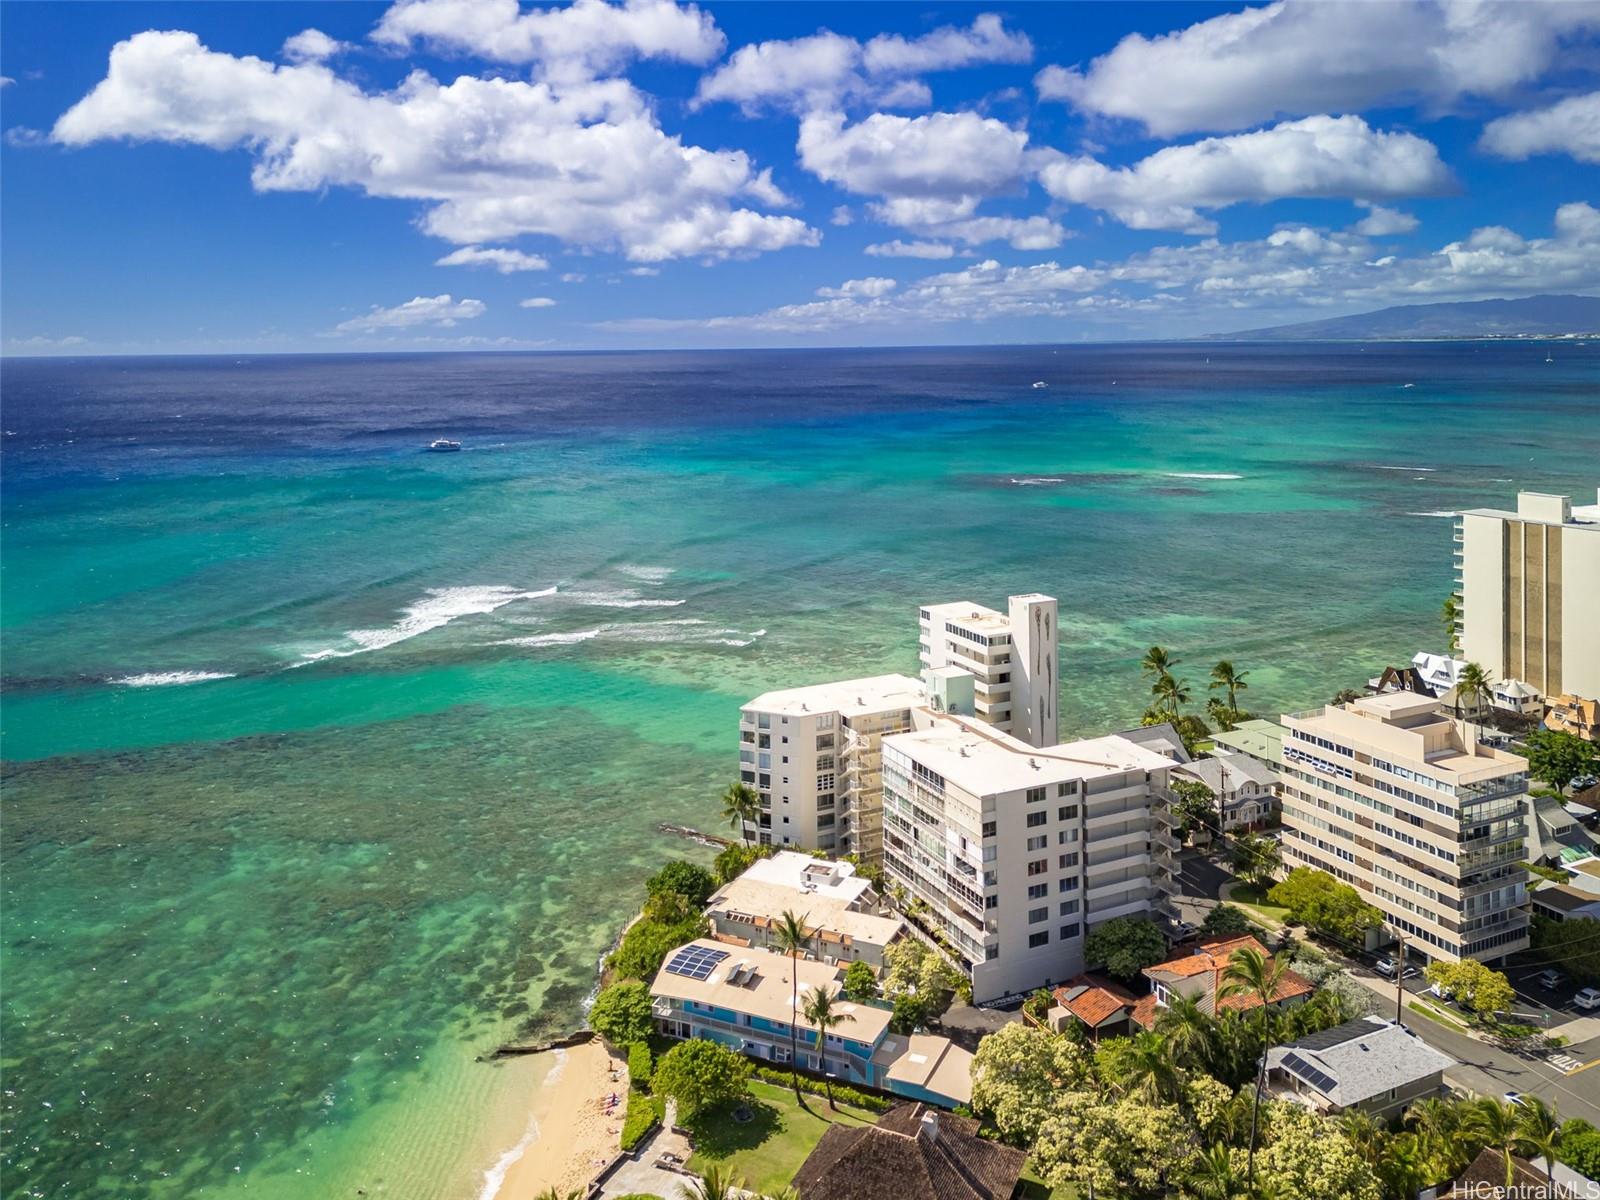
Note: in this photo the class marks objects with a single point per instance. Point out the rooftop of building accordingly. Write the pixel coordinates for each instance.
(1543, 508)
(1211, 956)
(1485, 1176)
(972, 616)
(1226, 772)
(1563, 897)
(1258, 737)
(914, 1152)
(1162, 738)
(848, 697)
(984, 761)
(932, 1064)
(757, 982)
(1359, 1059)
(828, 896)
(1093, 1000)
(1415, 728)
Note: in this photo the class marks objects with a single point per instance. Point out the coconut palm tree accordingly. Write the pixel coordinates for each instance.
(1214, 1176)
(1495, 1123)
(1157, 661)
(1438, 1125)
(1251, 973)
(715, 1184)
(1363, 1131)
(1224, 676)
(1539, 1134)
(741, 805)
(790, 935)
(1449, 613)
(1152, 1076)
(820, 1011)
(1472, 685)
(1189, 1031)
(1402, 1165)
(1171, 694)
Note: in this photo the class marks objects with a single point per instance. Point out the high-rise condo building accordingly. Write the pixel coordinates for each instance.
(1394, 796)
(1011, 658)
(1530, 593)
(1018, 851)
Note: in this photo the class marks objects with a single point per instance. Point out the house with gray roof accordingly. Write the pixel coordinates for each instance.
(1246, 786)
(1371, 1064)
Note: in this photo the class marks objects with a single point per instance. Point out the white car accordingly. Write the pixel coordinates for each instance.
(1587, 999)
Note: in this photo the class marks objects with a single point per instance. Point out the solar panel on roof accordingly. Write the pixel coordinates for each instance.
(1320, 1080)
(695, 962)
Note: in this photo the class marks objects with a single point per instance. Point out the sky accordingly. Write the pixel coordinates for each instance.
(479, 174)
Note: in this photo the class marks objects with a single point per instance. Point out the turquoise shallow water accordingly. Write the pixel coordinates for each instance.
(257, 927)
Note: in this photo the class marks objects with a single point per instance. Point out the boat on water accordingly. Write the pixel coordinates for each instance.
(443, 445)
(1039, 383)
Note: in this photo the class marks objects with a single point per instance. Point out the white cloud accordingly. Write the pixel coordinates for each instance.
(492, 159)
(501, 259)
(1384, 222)
(1315, 157)
(583, 40)
(6, 81)
(899, 249)
(1569, 127)
(842, 215)
(644, 272)
(574, 277)
(312, 45)
(1200, 285)
(1299, 57)
(23, 138)
(538, 302)
(825, 70)
(41, 344)
(419, 310)
(870, 287)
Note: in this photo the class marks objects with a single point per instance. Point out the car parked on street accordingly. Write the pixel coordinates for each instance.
(1550, 980)
(1588, 998)
(1385, 967)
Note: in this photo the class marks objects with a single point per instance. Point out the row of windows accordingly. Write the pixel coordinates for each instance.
(1303, 736)
(978, 638)
(1042, 938)
(1321, 764)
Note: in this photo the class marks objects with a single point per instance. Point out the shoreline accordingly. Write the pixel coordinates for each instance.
(567, 1136)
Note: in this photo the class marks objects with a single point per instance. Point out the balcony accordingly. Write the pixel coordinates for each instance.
(1164, 840)
(661, 1008)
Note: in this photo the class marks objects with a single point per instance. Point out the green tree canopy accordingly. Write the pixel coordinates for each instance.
(1256, 857)
(859, 982)
(1319, 901)
(1124, 1148)
(1226, 919)
(1574, 944)
(1017, 1075)
(647, 942)
(1558, 757)
(1308, 1155)
(701, 1074)
(1125, 946)
(914, 966)
(1480, 988)
(735, 860)
(683, 878)
(621, 1013)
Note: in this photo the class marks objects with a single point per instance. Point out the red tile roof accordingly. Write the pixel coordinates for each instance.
(1096, 1000)
(1211, 957)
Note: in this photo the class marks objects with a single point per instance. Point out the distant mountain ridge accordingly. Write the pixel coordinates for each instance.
(1535, 316)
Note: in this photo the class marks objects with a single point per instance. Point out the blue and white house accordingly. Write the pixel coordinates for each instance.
(742, 997)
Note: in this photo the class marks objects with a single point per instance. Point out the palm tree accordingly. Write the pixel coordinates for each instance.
(1224, 676)
(1190, 1033)
(1345, 696)
(715, 1184)
(1171, 694)
(741, 805)
(1214, 1177)
(1157, 661)
(820, 1012)
(790, 935)
(1403, 1165)
(1449, 613)
(1438, 1125)
(1472, 685)
(1496, 1123)
(1152, 1076)
(1363, 1131)
(1251, 973)
(1539, 1134)
(551, 1193)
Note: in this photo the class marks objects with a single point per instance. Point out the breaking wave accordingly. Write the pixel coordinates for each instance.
(170, 678)
(438, 608)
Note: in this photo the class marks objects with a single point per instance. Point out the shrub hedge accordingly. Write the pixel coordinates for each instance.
(644, 1114)
(641, 1064)
(842, 1092)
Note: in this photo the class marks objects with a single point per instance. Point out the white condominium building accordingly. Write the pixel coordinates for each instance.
(1391, 794)
(1011, 658)
(1018, 851)
(1530, 593)
(812, 755)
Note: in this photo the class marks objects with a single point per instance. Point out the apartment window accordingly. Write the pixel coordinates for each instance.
(825, 742)
(824, 783)
(1035, 915)
(1035, 940)
(784, 739)
(763, 720)
(1068, 885)
(991, 901)
(1066, 837)
(1038, 866)
(747, 776)
(766, 781)
(1035, 795)
(825, 762)
(1070, 931)
(825, 800)
(1067, 789)
(1036, 819)
(786, 821)
(824, 821)
(1068, 907)
(766, 839)
(988, 829)
(1067, 812)
(1038, 891)
(1069, 860)
(764, 761)
(825, 721)
(785, 758)
(1039, 842)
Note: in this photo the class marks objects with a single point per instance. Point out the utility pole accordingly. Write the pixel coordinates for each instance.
(1222, 802)
(1400, 982)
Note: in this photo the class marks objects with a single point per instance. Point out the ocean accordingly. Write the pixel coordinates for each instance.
(329, 762)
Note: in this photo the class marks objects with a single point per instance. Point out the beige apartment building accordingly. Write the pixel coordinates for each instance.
(1018, 851)
(1391, 794)
(1529, 584)
(999, 667)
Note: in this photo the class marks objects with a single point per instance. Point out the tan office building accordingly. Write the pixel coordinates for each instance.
(1529, 584)
(1393, 795)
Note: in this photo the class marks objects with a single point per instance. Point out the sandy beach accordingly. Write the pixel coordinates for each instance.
(569, 1136)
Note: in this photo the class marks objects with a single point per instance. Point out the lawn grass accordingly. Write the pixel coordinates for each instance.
(767, 1151)
(1031, 1187)
(1435, 1017)
(1253, 899)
